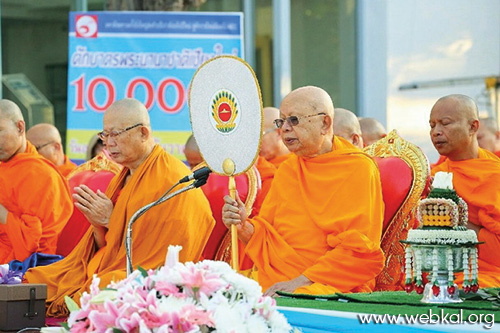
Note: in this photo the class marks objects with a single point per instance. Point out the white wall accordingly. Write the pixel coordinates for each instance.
(431, 40)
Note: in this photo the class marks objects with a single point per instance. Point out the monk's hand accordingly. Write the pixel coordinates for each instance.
(288, 286)
(474, 227)
(234, 212)
(96, 206)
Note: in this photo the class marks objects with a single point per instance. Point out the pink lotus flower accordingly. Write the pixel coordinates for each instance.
(166, 288)
(201, 281)
(187, 298)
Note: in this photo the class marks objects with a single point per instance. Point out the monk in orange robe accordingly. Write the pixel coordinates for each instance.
(311, 236)
(372, 130)
(35, 201)
(148, 172)
(266, 172)
(488, 135)
(47, 140)
(476, 177)
(272, 147)
(346, 125)
(280, 159)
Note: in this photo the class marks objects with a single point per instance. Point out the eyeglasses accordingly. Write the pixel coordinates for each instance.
(113, 134)
(294, 120)
(45, 144)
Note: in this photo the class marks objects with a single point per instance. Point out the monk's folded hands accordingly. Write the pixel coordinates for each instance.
(96, 207)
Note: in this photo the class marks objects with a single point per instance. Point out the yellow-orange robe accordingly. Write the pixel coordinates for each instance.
(66, 168)
(39, 204)
(266, 172)
(183, 220)
(439, 161)
(280, 159)
(322, 218)
(477, 181)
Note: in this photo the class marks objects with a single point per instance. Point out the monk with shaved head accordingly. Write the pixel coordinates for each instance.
(272, 147)
(35, 201)
(346, 125)
(310, 236)
(47, 141)
(148, 172)
(372, 130)
(488, 135)
(192, 152)
(476, 177)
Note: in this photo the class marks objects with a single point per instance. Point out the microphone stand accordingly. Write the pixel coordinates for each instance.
(128, 239)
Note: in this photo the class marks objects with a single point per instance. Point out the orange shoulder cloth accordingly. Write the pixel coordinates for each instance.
(323, 216)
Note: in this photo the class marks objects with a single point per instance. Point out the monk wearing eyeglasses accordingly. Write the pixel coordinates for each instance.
(149, 171)
(319, 228)
(47, 141)
(476, 177)
(35, 201)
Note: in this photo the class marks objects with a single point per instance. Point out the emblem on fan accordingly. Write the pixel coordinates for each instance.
(224, 111)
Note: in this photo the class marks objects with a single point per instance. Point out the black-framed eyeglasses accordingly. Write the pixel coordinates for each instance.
(44, 145)
(294, 120)
(113, 134)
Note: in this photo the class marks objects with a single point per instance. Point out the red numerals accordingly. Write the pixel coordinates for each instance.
(170, 94)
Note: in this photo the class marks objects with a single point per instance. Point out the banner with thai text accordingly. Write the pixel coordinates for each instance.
(150, 56)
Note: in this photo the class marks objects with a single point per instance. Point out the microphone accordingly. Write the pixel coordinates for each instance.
(200, 176)
(202, 172)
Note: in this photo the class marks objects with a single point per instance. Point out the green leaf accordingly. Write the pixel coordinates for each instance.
(65, 325)
(144, 273)
(72, 306)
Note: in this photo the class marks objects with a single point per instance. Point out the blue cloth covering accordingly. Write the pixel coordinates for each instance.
(36, 259)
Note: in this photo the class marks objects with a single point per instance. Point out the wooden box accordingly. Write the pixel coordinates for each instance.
(22, 306)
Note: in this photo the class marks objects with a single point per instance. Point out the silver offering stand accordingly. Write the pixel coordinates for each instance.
(441, 261)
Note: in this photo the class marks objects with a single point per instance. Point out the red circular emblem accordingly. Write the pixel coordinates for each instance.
(225, 112)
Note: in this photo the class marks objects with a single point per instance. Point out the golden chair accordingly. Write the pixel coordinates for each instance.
(405, 175)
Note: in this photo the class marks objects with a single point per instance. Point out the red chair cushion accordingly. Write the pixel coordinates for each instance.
(396, 177)
(215, 189)
(77, 225)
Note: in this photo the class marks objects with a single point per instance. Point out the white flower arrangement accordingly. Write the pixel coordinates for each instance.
(204, 297)
(443, 180)
(441, 236)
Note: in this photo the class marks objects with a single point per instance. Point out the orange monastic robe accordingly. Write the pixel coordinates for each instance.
(266, 172)
(439, 161)
(66, 168)
(183, 220)
(477, 181)
(30, 148)
(39, 204)
(322, 218)
(280, 159)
